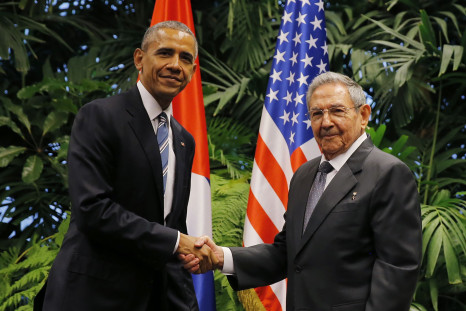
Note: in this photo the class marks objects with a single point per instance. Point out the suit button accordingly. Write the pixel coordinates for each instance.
(298, 269)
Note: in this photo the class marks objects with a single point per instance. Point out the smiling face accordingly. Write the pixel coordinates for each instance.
(167, 64)
(336, 134)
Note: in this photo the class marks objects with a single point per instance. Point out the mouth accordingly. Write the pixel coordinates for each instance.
(328, 136)
(171, 78)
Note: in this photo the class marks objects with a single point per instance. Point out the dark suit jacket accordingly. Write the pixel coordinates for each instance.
(117, 253)
(356, 254)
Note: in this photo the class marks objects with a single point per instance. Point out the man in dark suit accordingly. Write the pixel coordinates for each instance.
(361, 246)
(128, 217)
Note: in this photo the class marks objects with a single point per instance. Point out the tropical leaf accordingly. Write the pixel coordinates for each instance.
(12, 125)
(229, 201)
(35, 179)
(24, 274)
(236, 95)
(450, 52)
(417, 45)
(18, 111)
(229, 142)
(9, 153)
(417, 307)
(434, 293)
(427, 31)
(253, 23)
(398, 148)
(32, 169)
(444, 227)
(377, 135)
(405, 80)
(54, 121)
(225, 297)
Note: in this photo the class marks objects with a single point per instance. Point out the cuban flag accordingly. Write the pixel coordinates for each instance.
(188, 109)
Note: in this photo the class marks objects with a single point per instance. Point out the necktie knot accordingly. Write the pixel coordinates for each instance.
(162, 118)
(325, 167)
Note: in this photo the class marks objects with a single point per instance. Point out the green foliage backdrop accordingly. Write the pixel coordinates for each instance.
(55, 56)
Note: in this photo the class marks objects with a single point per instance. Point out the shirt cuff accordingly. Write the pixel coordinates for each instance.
(228, 267)
(177, 243)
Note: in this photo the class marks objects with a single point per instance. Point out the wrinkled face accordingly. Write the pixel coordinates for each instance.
(167, 64)
(335, 134)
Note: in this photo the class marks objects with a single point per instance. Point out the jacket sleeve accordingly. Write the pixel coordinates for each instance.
(259, 265)
(396, 225)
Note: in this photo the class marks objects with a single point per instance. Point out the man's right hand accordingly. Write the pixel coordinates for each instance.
(196, 253)
(193, 264)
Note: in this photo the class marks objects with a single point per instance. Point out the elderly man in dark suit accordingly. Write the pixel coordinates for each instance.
(129, 177)
(356, 248)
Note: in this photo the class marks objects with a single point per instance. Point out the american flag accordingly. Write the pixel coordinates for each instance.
(285, 135)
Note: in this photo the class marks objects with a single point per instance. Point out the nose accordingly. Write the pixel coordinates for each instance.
(326, 119)
(174, 64)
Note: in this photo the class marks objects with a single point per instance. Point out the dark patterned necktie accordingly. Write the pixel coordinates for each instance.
(316, 191)
(162, 138)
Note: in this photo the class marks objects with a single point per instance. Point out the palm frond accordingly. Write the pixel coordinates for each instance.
(444, 228)
(229, 201)
(229, 144)
(25, 273)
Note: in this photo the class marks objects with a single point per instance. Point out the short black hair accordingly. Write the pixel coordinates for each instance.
(148, 36)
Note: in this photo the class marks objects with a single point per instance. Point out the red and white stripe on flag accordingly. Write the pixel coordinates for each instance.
(188, 109)
(285, 135)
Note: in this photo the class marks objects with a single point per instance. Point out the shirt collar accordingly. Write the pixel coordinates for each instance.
(341, 159)
(151, 105)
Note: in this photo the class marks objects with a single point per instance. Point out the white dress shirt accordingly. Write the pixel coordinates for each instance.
(337, 164)
(153, 109)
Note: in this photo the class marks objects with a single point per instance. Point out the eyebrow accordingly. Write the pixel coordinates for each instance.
(166, 50)
(170, 50)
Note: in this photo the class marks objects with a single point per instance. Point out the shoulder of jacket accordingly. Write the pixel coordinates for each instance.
(385, 161)
(305, 167)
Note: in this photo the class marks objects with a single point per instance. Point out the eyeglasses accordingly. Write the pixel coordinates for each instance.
(338, 112)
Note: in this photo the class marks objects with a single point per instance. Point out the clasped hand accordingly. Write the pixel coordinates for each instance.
(199, 255)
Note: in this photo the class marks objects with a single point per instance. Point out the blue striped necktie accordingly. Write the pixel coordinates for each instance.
(162, 138)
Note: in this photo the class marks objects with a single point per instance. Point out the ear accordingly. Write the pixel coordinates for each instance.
(137, 58)
(194, 67)
(365, 112)
(193, 71)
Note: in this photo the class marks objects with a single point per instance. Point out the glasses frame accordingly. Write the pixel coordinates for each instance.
(328, 110)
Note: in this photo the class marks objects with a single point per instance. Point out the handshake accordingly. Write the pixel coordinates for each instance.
(199, 255)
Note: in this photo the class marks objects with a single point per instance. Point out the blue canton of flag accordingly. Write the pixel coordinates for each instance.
(301, 54)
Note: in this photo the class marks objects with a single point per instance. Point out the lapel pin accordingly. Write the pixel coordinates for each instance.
(182, 144)
(354, 196)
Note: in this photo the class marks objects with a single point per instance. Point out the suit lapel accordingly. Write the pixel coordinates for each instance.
(341, 184)
(144, 131)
